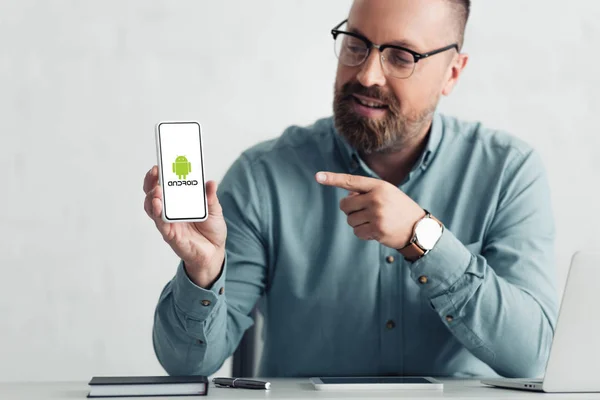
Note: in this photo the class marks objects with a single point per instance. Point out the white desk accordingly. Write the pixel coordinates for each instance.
(291, 389)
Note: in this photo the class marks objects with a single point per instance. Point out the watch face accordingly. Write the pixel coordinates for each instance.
(428, 232)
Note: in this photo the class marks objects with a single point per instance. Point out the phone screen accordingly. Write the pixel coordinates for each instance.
(182, 170)
(383, 380)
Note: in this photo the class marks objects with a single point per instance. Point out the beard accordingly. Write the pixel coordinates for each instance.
(376, 135)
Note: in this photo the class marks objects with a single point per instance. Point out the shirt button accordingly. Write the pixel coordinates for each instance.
(222, 290)
(423, 279)
(449, 318)
(390, 324)
(205, 303)
(389, 259)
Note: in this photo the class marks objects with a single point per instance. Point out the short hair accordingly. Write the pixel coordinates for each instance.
(462, 10)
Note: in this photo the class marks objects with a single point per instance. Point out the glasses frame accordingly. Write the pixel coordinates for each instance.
(381, 47)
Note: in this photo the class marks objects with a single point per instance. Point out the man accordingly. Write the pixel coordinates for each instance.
(329, 224)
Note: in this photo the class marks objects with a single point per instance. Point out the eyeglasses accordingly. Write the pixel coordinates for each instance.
(353, 49)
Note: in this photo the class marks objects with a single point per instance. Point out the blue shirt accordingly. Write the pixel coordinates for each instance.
(337, 305)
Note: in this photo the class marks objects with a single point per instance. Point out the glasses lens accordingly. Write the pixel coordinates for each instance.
(349, 50)
(398, 63)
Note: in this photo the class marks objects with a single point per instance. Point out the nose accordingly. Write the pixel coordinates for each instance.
(371, 71)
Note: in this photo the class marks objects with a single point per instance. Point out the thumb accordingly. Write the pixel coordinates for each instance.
(214, 207)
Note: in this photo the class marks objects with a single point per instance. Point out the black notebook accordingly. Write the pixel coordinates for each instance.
(138, 386)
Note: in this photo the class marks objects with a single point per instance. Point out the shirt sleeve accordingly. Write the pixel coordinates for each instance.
(195, 329)
(501, 302)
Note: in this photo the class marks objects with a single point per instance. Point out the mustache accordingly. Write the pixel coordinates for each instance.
(375, 92)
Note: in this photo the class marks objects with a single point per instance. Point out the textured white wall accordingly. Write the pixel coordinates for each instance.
(83, 82)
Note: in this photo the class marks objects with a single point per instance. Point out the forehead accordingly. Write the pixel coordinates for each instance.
(420, 24)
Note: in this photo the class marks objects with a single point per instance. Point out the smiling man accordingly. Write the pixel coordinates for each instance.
(389, 239)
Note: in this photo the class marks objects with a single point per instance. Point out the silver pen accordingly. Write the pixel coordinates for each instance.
(241, 383)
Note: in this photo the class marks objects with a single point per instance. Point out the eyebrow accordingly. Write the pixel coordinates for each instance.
(401, 43)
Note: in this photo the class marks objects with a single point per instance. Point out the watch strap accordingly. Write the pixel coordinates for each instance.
(412, 251)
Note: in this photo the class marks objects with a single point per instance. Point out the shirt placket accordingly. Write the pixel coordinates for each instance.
(390, 327)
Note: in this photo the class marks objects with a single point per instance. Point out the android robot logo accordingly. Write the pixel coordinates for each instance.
(182, 167)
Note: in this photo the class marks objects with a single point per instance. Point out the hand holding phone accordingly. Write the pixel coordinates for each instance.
(181, 171)
(193, 224)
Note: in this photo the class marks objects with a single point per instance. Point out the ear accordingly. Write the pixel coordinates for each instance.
(458, 65)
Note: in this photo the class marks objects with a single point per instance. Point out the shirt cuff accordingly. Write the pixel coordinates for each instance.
(194, 301)
(442, 266)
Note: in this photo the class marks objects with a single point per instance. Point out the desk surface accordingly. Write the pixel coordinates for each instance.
(291, 389)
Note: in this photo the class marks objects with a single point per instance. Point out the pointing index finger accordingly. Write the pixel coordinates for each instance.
(354, 183)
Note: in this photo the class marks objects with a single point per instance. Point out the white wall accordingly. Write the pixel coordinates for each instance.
(83, 82)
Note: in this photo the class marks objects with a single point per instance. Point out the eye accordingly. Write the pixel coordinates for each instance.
(399, 59)
(354, 45)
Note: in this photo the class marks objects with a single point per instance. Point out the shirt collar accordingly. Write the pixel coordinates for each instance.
(433, 142)
(350, 156)
(353, 161)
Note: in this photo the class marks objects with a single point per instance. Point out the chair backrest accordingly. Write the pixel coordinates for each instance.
(244, 356)
(247, 356)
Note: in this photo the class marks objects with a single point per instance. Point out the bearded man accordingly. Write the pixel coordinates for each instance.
(388, 239)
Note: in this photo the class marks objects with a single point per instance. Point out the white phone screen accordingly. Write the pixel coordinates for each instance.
(182, 171)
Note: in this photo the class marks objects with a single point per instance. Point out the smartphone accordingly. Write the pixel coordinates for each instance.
(181, 171)
(376, 383)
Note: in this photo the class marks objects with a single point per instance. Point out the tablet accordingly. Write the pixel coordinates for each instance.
(376, 383)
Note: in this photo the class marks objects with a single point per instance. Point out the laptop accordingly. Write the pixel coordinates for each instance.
(575, 353)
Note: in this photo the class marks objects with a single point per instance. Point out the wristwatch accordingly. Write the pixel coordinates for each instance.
(426, 234)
